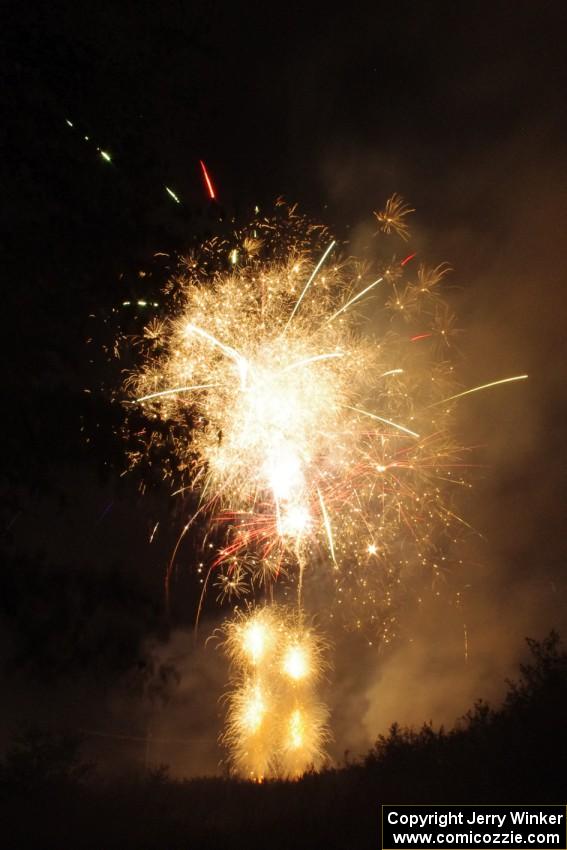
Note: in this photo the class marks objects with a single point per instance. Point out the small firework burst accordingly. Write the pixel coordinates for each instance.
(392, 217)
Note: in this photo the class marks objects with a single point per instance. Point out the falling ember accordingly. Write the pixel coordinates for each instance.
(153, 534)
(208, 182)
(172, 194)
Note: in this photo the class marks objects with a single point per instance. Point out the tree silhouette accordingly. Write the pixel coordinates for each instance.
(514, 753)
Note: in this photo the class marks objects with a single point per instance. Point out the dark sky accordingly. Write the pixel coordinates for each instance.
(461, 109)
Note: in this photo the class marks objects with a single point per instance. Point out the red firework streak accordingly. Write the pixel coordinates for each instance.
(210, 187)
(408, 258)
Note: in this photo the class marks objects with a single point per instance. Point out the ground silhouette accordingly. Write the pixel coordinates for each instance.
(515, 753)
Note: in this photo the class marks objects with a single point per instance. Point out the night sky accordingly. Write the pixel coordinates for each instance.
(462, 110)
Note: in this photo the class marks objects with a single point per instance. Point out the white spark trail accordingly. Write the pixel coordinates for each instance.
(174, 391)
(355, 298)
(381, 419)
(315, 359)
(481, 387)
(310, 281)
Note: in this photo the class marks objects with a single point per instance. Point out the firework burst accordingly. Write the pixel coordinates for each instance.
(311, 436)
(321, 446)
(393, 217)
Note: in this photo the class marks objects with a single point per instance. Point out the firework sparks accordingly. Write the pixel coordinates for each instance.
(312, 441)
(392, 218)
(309, 282)
(295, 663)
(484, 387)
(355, 298)
(308, 434)
(275, 725)
(173, 391)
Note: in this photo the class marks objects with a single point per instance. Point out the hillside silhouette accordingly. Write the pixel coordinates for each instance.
(515, 753)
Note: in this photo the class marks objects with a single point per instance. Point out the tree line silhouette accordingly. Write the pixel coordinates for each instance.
(516, 753)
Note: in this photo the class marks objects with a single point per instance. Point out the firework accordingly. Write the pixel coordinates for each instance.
(311, 437)
(208, 181)
(321, 447)
(275, 725)
(274, 638)
(392, 217)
